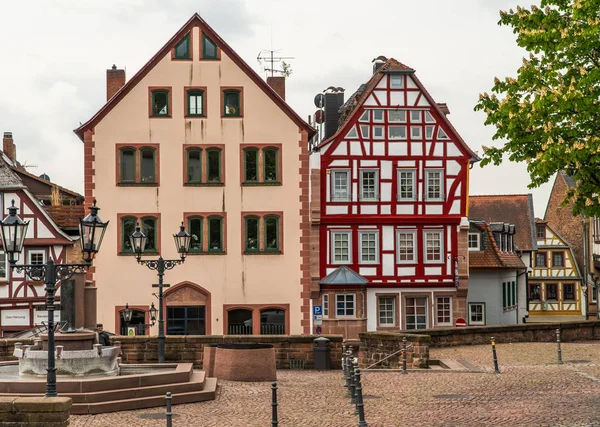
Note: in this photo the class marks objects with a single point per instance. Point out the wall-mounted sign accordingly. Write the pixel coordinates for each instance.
(20, 317)
(131, 331)
(42, 316)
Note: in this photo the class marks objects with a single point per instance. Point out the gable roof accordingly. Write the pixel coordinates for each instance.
(492, 256)
(514, 209)
(344, 276)
(194, 21)
(360, 96)
(8, 178)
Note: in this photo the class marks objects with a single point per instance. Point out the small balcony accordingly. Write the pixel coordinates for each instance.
(66, 216)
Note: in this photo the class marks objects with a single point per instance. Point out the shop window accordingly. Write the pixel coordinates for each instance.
(239, 322)
(186, 320)
(272, 322)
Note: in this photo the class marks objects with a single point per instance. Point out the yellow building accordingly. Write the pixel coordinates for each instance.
(554, 286)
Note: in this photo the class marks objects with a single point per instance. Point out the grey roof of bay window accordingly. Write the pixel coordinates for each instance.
(344, 276)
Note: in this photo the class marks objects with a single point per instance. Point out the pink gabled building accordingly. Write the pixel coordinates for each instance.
(389, 210)
(197, 136)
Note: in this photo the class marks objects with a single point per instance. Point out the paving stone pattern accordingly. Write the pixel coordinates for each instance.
(531, 391)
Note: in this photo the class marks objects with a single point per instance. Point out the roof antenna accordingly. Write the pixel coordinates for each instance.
(267, 55)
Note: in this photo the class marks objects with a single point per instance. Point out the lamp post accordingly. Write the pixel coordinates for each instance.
(128, 314)
(138, 244)
(91, 233)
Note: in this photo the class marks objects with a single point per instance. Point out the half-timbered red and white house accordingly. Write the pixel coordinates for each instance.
(390, 210)
(18, 294)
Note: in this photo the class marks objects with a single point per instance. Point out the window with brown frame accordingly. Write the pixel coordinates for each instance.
(551, 291)
(160, 101)
(262, 233)
(540, 231)
(558, 259)
(261, 165)
(137, 165)
(203, 165)
(232, 102)
(150, 225)
(208, 231)
(540, 259)
(568, 292)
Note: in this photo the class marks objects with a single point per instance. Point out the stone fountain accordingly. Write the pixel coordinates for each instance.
(77, 355)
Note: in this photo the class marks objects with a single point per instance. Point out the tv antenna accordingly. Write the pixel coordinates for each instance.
(268, 55)
(25, 165)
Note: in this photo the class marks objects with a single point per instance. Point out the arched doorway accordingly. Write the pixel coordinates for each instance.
(187, 308)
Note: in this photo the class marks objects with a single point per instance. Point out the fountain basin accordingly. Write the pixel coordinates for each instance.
(245, 362)
(83, 340)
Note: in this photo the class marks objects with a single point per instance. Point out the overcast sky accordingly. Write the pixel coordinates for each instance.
(54, 54)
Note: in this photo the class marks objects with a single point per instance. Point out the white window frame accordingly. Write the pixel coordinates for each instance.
(5, 265)
(375, 119)
(352, 133)
(36, 252)
(375, 136)
(482, 322)
(442, 134)
(399, 197)
(334, 172)
(437, 304)
(429, 136)
(325, 304)
(478, 239)
(349, 234)
(428, 174)
(396, 138)
(440, 233)
(418, 135)
(376, 195)
(360, 247)
(398, 79)
(393, 298)
(427, 322)
(364, 117)
(427, 116)
(415, 249)
(419, 118)
(364, 131)
(345, 316)
(401, 112)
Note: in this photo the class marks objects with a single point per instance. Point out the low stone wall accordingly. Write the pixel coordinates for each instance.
(528, 332)
(288, 349)
(376, 346)
(7, 347)
(35, 411)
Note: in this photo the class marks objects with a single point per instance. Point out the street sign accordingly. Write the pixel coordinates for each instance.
(460, 322)
(319, 330)
(318, 319)
(317, 310)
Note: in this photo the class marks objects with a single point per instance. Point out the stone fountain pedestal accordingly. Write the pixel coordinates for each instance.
(76, 356)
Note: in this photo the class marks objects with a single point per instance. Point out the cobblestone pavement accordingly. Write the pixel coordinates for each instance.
(531, 391)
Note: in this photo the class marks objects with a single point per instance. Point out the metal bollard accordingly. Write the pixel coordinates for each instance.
(496, 369)
(356, 370)
(169, 414)
(404, 371)
(353, 382)
(560, 361)
(359, 401)
(347, 372)
(344, 358)
(274, 421)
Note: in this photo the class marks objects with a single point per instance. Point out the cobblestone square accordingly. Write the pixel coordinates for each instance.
(531, 391)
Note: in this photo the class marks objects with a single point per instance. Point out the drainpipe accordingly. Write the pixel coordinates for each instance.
(585, 267)
(526, 293)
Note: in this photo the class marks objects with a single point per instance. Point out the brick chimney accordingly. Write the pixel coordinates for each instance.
(8, 146)
(444, 107)
(277, 83)
(115, 79)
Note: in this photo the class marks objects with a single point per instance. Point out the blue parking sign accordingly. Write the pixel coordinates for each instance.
(317, 310)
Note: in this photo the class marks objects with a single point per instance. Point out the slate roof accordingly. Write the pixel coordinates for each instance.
(514, 209)
(8, 178)
(344, 276)
(568, 179)
(492, 256)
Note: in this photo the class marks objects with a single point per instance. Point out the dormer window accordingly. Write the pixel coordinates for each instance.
(396, 81)
(474, 242)
(182, 49)
(540, 231)
(209, 49)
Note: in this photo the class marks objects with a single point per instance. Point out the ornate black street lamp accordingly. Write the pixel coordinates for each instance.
(14, 230)
(128, 314)
(138, 244)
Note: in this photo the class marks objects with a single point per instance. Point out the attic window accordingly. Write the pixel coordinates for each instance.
(442, 134)
(397, 116)
(396, 81)
(377, 115)
(540, 231)
(474, 243)
(364, 117)
(352, 133)
(182, 49)
(232, 103)
(160, 103)
(429, 118)
(209, 49)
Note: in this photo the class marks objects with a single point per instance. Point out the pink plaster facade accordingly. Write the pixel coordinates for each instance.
(228, 279)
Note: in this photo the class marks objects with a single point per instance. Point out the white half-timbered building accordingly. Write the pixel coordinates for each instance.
(554, 287)
(44, 239)
(392, 201)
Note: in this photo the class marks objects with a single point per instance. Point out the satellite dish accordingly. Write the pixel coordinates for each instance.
(319, 100)
(319, 116)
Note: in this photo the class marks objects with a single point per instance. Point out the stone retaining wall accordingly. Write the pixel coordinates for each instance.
(376, 346)
(35, 411)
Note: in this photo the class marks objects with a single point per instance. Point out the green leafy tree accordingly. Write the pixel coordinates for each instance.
(550, 113)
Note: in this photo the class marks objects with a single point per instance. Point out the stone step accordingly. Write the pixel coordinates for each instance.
(196, 383)
(208, 393)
